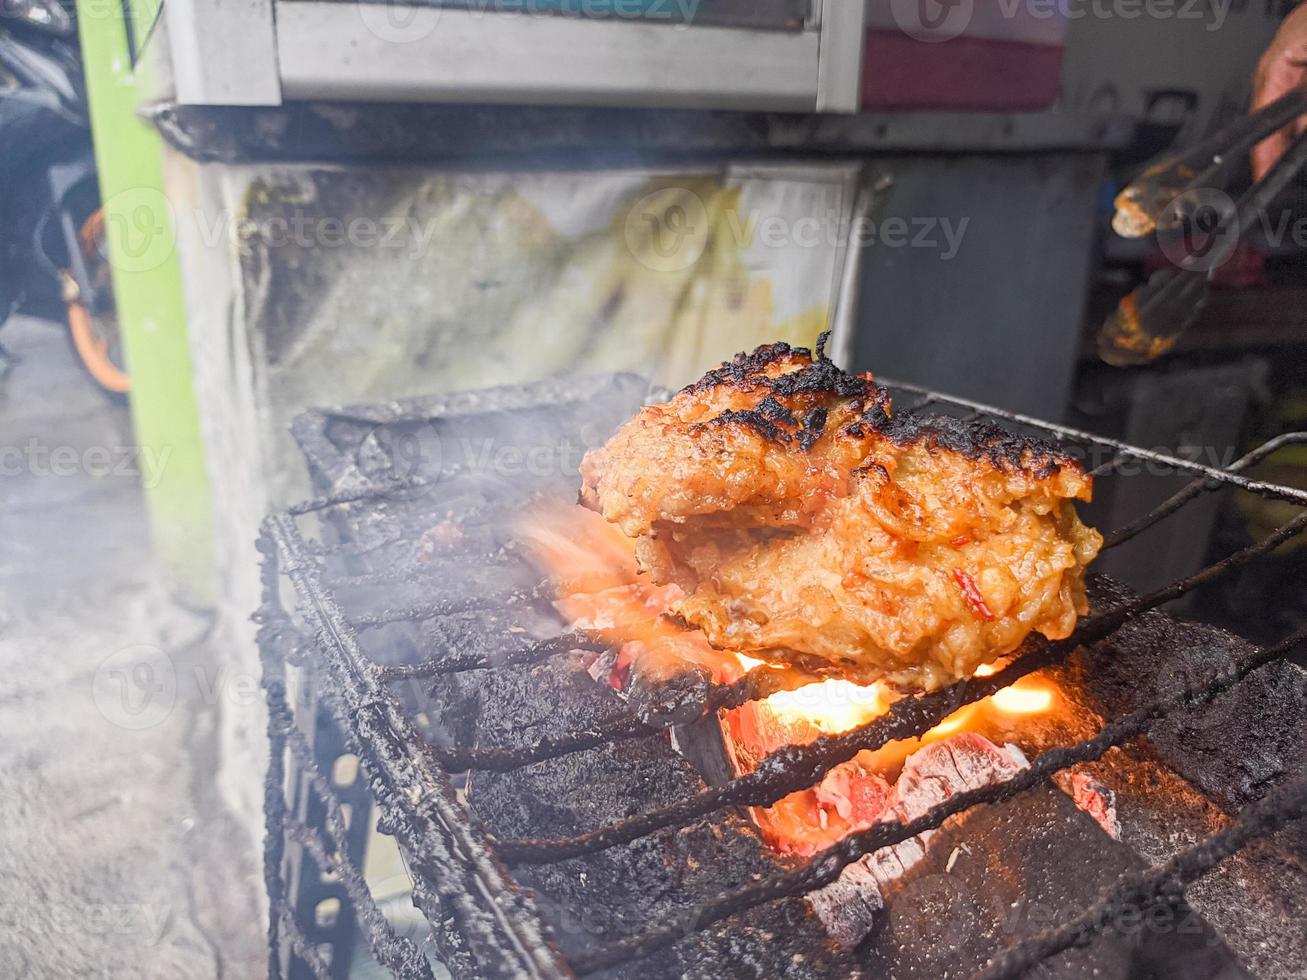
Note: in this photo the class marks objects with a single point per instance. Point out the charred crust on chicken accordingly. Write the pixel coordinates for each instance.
(792, 409)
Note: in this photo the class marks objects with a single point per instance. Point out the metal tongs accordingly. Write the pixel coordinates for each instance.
(1181, 198)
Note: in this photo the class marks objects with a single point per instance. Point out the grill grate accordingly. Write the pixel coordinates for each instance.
(343, 589)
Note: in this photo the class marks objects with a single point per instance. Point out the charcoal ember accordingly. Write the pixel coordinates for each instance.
(857, 795)
(1235, 748)
(932, 775)
(595, 899)
(1009, 870)
(458, 537)
(660, 697)
(848, 907)
(447, 536)
(1092, 797)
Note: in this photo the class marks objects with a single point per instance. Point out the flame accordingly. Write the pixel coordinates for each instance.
(601, 589)
(848, 798)
(832, 706)
(1018, 700)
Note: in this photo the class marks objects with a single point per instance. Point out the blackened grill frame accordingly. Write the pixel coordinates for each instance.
(402, 767)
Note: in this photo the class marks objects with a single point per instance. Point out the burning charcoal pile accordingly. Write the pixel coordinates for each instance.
(586, 773)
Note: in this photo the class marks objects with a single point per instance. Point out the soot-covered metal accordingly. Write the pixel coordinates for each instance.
(549, 827)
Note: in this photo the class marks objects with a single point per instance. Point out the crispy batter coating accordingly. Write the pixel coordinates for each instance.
(804, 523)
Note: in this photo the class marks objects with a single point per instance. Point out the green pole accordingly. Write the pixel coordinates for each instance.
(151, 311)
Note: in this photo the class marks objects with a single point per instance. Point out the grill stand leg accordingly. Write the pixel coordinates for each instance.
(308, 886)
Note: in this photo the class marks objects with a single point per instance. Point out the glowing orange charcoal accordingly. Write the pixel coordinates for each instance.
(851, 797)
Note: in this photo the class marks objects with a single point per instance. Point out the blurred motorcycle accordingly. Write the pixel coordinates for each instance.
(52, 257)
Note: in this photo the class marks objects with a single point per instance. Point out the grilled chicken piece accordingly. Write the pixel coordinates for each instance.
(803, 523)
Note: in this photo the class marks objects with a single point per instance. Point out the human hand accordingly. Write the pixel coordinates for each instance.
(1282, 68)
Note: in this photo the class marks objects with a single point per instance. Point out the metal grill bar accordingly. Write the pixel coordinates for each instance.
(1200, 486)
(504, 760)
(399, 954)
(1062, 433)
(310, 956)
(1111, 466)
(826, 867)
(360, 496)
(448, 607)
(512, 943)
(798, 767)
(758, 683)
(274, 799)
(442, 841)
(1137, 892)
(395, 953)
(543, 650)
